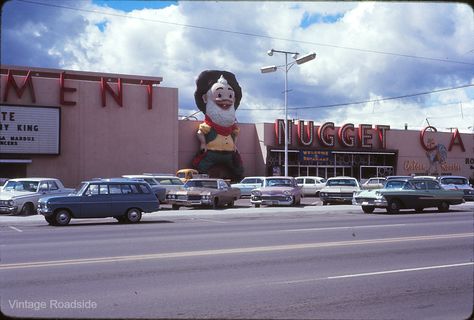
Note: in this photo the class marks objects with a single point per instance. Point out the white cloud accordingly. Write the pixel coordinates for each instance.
(138, 42)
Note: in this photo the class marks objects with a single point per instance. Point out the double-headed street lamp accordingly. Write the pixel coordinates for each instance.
(287, 66)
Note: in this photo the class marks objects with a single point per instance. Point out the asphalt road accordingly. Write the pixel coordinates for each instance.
(311, 262)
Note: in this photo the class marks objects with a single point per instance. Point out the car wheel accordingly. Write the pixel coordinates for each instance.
(368, 209)
(231, 204)
(175, 207)
(62, 218)
(28, 209)
(298, 203)
(443, 207)
(419, 209)
(317, 194)
(133, 215)
(120, 219)
(215, 203)
(256, 205)
(393, 206)
(50, 220)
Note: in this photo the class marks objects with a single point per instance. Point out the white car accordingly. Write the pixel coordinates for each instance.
(339, 190)
(20, 196)
(374, 183)
(169, 182)
(457, 183)
(311, 186)
(248, 184)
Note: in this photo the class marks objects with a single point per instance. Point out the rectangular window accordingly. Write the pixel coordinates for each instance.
(144, 188)
(126, 189)
(53, 185)
(92, 190)
(103, 189)
(134, 188)
(115, 189)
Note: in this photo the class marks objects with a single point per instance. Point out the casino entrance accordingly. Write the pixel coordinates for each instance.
(331, 163)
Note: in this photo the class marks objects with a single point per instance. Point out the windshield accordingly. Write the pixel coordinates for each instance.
(201, 184)
(342, 182)
(278, 182)
(394, 184)
(81, 189)
(456, 181)
(30, 186)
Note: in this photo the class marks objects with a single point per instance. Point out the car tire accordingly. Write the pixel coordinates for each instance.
(419, 209)
(256, 205)
(62, 218)
(317, 194)
(368, 209)
(120, 219)
(215, 203)
(50, 221)
(231, 204)
(443, 207)
(393, 206)
(324, 203)
(28, 209)
(175, 207)
(133, 215)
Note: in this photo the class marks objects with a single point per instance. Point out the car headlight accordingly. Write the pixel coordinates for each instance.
(205, 197)
(287, 193)
(256, 193)
(323, 194)
(11, 202)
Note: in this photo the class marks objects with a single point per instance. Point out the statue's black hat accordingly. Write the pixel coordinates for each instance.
(207, 78)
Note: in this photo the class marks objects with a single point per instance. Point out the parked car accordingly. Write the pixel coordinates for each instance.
(188, 174)
(457, 183)
(158, 189)
(339, 190)
(204, 192)
(311, 186)
(373, 183)
(20, 196)
(124, 199)
(248, 184)
(169, 182)
(277, 191)
(408, 193)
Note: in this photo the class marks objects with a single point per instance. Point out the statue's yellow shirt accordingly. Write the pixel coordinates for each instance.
(220, 143)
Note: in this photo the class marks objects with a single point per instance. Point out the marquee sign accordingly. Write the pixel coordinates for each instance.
(29, 130)
(327, 135)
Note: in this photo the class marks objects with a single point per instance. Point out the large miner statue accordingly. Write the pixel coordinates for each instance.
(218, 95)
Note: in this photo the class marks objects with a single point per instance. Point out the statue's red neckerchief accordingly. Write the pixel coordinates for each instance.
(223, 131)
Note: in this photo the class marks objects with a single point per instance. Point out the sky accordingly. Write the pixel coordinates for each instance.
(397, 64)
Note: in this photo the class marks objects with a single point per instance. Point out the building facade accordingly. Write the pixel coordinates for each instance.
(81, 125)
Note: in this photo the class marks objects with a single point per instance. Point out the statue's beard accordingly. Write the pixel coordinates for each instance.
(219, 116)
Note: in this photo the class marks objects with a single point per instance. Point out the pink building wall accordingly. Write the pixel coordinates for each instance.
(109, 141)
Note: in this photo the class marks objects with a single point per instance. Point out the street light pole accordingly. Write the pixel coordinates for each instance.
(288, 66)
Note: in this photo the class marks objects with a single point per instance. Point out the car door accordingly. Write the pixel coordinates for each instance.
(95, 202)
(434, 193)
(421, 197)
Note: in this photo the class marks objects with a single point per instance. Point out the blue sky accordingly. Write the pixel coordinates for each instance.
(366, 51)
(128, 6)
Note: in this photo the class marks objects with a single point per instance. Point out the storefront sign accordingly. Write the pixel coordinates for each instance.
(429, 143)
(314, 156)
(327, 135)
(27, 84)
(29, 130)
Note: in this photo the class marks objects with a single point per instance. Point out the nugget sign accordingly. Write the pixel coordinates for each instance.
(33, 130)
